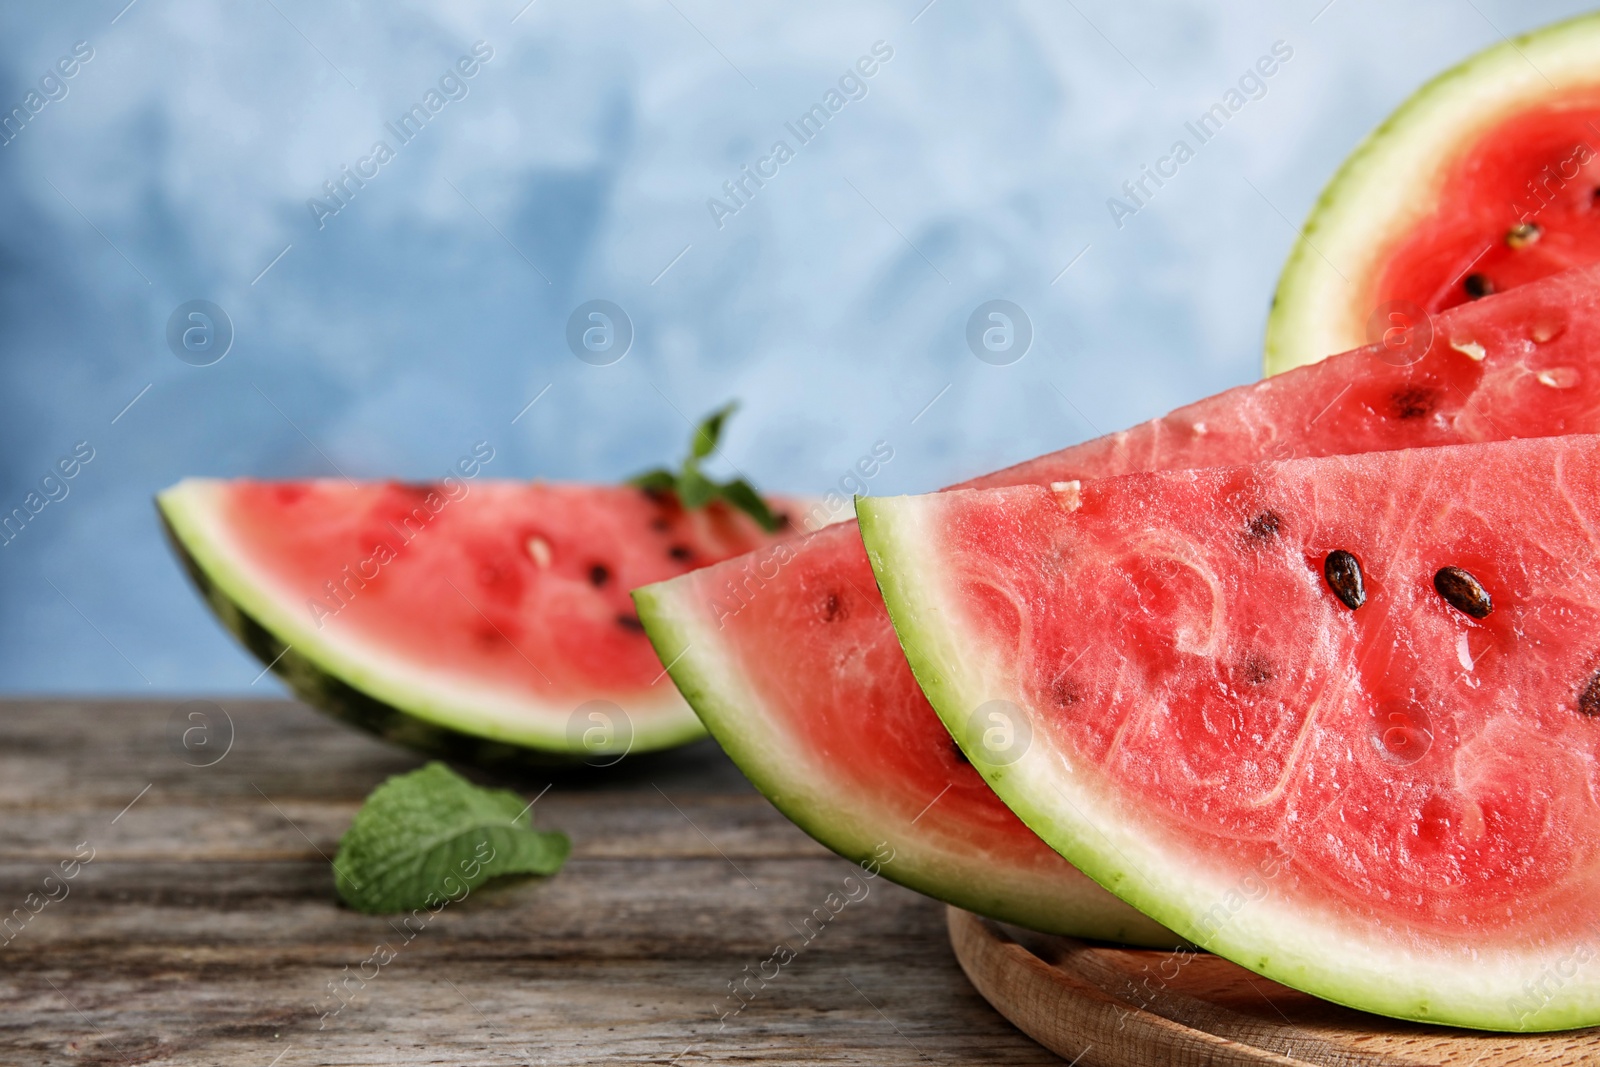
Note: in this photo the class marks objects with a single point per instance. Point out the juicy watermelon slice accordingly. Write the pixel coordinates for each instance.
(789, 658)
(1394, 807)
(1485, 179)
(485, 620)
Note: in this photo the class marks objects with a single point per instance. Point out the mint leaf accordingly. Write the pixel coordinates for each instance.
(742, 495)
(709, 432)
(658, 480)
(694, 490)
(431, 836)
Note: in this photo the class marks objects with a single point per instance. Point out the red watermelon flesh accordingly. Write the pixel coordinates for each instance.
(795, 669)
(1410, 788)
(1483, 179)
(1516, 206)
(490, 609)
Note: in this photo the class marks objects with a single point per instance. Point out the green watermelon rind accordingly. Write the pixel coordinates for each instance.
(1304, 954)
(332, 680)
(686, 640)
(1372, 195)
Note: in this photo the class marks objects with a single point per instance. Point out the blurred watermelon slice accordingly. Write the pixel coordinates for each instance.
(488, 621)
(1484, 180)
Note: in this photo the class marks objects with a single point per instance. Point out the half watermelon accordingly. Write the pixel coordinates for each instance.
(794, 667)
(1485, 179)
(483, 620)
(1337, 720)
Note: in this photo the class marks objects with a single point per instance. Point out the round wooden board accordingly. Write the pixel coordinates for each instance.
(1116, 1007)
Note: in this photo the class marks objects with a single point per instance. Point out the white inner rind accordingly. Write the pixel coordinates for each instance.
(804, 785)
(196, 510)
(1100, 831)
(1389, 185)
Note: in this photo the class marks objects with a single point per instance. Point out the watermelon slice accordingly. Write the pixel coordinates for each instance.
(1337, 720)
(482, 620)
(1485, 179)
(794, 668)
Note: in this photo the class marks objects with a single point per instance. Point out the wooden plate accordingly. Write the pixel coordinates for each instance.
(1100, 1005)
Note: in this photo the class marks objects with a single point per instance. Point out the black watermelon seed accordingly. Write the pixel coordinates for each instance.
(1477, 285)
(599, 575)
(1064, 691)
(681, 553)
(1463, 592)
(832, 608)
(416, 490)
(1343, 572)
(1264, 527)
(1257, 671)
(1413, 403)
(1589, 699)
(961, 757)
(630, 622)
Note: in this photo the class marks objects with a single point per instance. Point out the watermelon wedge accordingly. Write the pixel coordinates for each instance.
(1485, 179)
(487, 621)
(1337, 720)
(794, 668)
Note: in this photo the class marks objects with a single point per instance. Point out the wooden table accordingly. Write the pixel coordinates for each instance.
(205, 929)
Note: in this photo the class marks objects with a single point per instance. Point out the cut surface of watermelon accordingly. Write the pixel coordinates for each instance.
(1393, 806)
(790, 660)
(1485, 179)
(479, 618)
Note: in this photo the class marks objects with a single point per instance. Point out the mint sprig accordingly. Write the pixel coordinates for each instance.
(694, 490)
(432, 836)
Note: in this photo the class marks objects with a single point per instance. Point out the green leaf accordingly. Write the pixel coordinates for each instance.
(695, 490)
(430, 836)
(742, 495)
(660, 479)
(709, 432)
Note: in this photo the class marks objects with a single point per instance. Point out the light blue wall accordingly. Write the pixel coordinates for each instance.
(421, 317)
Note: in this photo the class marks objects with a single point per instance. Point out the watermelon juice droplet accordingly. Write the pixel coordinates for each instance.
(1404, 731)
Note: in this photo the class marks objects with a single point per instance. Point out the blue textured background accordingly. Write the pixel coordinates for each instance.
(426, 313)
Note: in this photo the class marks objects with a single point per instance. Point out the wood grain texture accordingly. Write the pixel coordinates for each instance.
(1114, 1007)
(206, 930)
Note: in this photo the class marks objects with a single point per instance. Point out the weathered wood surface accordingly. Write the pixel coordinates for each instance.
(205, 930)
(1117, 1007)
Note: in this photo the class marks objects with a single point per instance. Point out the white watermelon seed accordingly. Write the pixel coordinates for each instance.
(1547, 330)
(539, 549)
(1068, 494)
(1523, 234)
(1471, 349)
